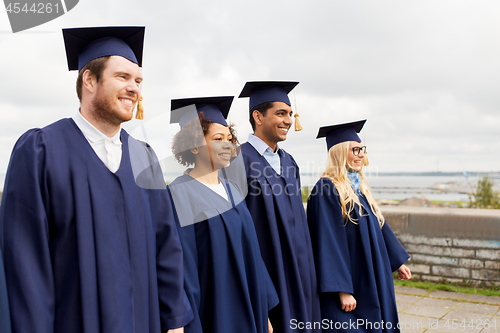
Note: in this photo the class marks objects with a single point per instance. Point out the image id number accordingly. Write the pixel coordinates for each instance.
(36, 8)
(472, 324)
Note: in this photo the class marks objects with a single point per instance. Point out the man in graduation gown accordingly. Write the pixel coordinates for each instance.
(85, 248)
(275, 203)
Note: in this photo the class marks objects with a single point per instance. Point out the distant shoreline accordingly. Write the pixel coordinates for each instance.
(494, 174)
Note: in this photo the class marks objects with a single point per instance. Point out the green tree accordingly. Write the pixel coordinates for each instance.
(483, 195)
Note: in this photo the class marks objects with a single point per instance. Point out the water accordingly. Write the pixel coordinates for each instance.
(442, 188)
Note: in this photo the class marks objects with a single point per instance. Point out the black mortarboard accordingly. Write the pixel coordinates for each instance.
(340, 133)
(214, 109)
(267, 91)
(86, 44)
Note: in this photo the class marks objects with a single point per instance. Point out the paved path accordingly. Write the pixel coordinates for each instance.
(444, 311)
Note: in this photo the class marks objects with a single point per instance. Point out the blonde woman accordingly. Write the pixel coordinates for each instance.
(355, 250)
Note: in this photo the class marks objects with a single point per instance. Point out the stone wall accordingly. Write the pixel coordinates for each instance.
(456, 244)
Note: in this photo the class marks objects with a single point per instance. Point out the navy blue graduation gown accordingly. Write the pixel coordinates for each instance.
(226, 280)
(353, 258)
(275, 203)
(4, 301)
(85, 249)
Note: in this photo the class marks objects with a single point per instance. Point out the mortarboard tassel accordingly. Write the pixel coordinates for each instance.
(140, 109)
(298, 126)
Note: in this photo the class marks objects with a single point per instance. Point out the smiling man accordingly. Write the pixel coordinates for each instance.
(275, 202)
(85, 248)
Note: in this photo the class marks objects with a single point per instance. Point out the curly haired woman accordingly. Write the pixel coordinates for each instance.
(225, 278)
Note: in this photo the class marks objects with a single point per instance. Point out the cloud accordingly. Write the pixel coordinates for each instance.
(423, 73)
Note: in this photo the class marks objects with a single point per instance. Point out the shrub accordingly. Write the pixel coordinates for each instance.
(483, 195)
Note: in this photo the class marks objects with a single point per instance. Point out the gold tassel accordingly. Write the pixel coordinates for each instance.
(140, 109)
(298, 126)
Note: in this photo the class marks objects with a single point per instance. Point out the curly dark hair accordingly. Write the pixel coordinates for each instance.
(190, 137)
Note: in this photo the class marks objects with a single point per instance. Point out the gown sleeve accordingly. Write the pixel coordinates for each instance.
(175, 310)
(272, 295)
(329, 239)
(191, 275)
(397, 254)
(25, 231)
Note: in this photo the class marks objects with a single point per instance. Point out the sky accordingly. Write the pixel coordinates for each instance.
(425, 74)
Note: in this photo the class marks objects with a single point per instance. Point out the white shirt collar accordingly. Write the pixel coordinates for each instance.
(260, 145)
(91, 133)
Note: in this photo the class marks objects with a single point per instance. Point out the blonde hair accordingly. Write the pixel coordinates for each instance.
(336, 170)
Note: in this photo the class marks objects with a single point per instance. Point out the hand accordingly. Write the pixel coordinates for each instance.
(404, 273)
(347, 302)
(270, 327)
(176, 330)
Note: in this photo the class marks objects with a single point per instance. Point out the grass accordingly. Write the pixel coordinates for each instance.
(457, 204)
(464, 287)
(438, 202)
(306, 191)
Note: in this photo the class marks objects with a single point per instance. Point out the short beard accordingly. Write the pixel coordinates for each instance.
(103, 109)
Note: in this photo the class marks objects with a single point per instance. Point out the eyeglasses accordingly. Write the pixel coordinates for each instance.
(357, 150)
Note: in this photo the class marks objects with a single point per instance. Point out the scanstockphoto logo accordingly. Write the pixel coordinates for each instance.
(27, 14)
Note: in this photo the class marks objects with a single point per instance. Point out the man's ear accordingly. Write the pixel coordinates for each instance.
(257, 117)
(194, 151)
(89, 81)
